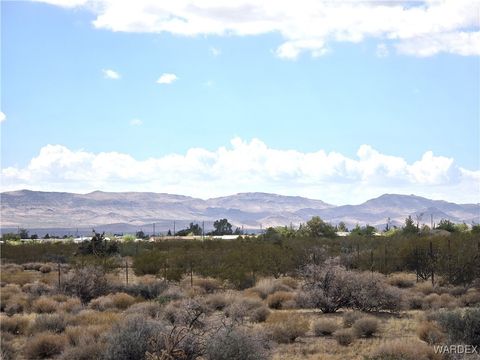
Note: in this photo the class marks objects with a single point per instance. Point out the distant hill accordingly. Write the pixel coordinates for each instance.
(127, 211)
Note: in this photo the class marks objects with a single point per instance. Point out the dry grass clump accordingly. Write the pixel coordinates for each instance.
(267, 286)
(17, 304)
(278, 299)
(435, 301)
(401, 280)
(471, 298)
(149, 309)
(430, 332)
(6, 293)
(414, 301)
(71, 305)
(122, 301)
(19, 278)
(288, 281)
(217, 302)
(208, 285)
(37, 288)
(241, 308)
(92, 351)
(404, 350)
(324, 327)
(344, 337)
(91, 317)
(44, 305)
(45, 269)
(16, 324)
(54, 323)
(82, 335)
(10, 268)
(45, 346)
(35, 266)
(350, 317)
(119, 301)
(365, 327)
(286, 327)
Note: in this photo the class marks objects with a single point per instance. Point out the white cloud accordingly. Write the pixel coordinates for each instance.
(215, 51)
(249, 166)
(420, 28)
(110, 74)
(167, 78)
(136, 122)
(382, 50)
(3, 117)
(64, 3)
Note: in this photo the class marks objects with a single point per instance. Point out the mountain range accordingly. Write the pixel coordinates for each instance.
(61, 212)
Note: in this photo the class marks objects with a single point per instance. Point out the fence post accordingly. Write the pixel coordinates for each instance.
(432, 264)
(371, 260)
(59, 274)
(191, 274)
(126, 271)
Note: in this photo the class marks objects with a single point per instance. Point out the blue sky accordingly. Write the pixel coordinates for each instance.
(398, 99)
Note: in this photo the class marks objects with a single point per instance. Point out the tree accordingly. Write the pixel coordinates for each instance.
(364, 230)
(318, 228)
(193, 229)
(98, 246)
(169, 233)
(140, 234)
(410, 227)
(23, 233)
(34, 237)
(222, 227)
(342, 227)
(447, 225)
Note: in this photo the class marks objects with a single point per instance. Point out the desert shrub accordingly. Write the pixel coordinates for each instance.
(7, 292)
(370, 292)
(82, 335)
(102, 303)
(19, 278)
(45, 269)
(471, 298)
(434, 301)
(350, 317)
(461, 327)
(17, 304)
(54, 323)
(217, 302)
(186, 312)
(7, 352)
(323, 327)
(44, 305)
(365, 327)
(327, 287)
(430, 332)
(344, 337)
(457, 290)
(130, 339)
(32, 266)
(16, 324)
(401, 280)
(208, 285)
(286, 327)
(404, 350)
(148, 288)
(45, 346)
(277, 299)
(414, 302)
(149, 309)
(259, 314)
(71, 305)
(92, 351)
(122, 301)
(237, 344)
(288, 281)
(37, 288)
(87, 283)
(241, 308)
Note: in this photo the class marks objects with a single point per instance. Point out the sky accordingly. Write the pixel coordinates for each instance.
(339, 101)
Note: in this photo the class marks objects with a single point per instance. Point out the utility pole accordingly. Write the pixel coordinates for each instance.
(153, 229)
(203, 230)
